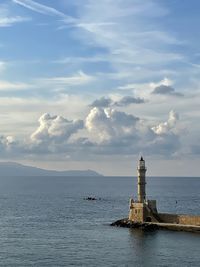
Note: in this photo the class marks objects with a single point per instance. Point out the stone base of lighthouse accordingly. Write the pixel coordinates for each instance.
(143, 212)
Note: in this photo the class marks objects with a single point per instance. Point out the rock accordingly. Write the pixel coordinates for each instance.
(127, 224)
(121, 223)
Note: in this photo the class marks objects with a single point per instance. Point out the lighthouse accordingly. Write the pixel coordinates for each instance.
(142, 209)
(141, 170)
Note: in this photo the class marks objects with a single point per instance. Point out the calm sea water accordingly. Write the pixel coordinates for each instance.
(45, 221)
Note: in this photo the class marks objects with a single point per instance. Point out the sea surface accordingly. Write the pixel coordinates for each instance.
(45, 221)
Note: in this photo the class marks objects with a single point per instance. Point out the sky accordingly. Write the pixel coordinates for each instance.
(96, 84)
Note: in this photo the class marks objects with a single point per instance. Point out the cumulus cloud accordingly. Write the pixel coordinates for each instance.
(162, 139)
(114, 132)
(165, 90)
(109, 124)
(169, 125)
(106, 131)
(55, 129)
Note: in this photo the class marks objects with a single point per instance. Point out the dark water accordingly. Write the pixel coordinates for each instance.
(44, 221)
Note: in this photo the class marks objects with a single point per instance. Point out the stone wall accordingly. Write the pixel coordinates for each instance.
(179, 219)
(168, 218)
(187, 219)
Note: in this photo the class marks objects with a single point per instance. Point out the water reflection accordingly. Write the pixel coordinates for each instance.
(144, 246)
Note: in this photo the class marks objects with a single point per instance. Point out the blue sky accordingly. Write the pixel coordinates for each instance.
(94, 84)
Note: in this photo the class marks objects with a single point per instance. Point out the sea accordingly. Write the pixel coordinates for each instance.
(46, 221)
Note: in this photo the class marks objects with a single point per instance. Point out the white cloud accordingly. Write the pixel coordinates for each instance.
(123, 29)
(54, 129)
(19, 114)
(116, 132)
(169, 125)
(166, 82)
(77, 79)
(148, 85)
(7, 85)
(144, 89)
(106, 132)
(92, 59)
(109, 124)
(9, 21)
(43, 9)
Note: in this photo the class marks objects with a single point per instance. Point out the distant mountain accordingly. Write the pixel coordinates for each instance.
(16, 169)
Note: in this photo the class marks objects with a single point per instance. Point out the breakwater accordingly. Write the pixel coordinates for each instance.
(152, 226)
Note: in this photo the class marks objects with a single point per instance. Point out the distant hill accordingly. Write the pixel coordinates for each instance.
(16, 169)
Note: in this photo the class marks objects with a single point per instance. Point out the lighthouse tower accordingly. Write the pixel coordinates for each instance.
(142, 210)
(141, 169)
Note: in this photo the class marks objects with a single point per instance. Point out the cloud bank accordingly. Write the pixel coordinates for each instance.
(104, 131)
